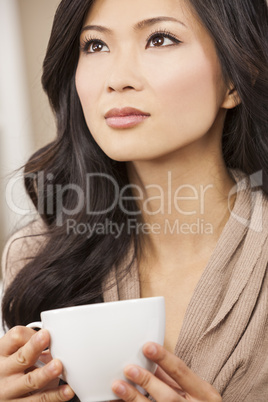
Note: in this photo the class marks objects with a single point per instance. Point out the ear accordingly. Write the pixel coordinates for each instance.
(231, 99)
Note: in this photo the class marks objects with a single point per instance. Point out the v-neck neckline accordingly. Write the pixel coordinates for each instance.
(205, 292)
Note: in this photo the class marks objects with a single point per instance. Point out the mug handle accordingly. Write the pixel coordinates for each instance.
(38, 363)
(36, 324)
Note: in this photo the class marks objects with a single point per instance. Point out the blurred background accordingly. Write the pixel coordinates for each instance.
(26, 122)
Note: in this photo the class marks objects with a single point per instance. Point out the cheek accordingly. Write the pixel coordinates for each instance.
(189, 91)
(88, 88)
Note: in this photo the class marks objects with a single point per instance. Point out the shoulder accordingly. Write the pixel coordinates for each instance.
(265, 207)
(22, 246)
(263, 212)
(253, 204)
(258, 225)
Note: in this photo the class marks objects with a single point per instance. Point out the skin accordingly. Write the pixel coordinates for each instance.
(20, 348)
(173, 382)
(182, 87)
(179, 85)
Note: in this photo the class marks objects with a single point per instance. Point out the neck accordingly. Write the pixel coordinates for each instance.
(185, 203)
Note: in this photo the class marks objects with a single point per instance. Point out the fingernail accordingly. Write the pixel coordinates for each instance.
(67, 392)
(151, 350)
(119, 389)
(133, 372)
(40, 336)
(53, 367)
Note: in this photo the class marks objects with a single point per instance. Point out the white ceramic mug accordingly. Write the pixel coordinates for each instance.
(95, 342)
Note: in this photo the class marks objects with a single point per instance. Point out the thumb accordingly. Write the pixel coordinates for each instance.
(163, 376)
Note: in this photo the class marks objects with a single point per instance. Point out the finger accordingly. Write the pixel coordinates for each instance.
(163, 376)
(62, 393)
(27, 355)
(14, 339)
(45, 357)
(117, 400)
(155, 387)
(35, 380)
(127, 392)
(190, 382)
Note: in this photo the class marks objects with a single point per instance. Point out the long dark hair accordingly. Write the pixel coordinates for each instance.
(70, 269)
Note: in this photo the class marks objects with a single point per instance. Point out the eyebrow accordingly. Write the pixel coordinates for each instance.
(137, 27)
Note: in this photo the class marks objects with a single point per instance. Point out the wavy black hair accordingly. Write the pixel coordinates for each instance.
(70, 269)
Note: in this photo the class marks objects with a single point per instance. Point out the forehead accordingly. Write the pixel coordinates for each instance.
(113, 12)
(120, 17)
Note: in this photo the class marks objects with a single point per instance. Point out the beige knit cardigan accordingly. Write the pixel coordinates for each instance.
(224, 336)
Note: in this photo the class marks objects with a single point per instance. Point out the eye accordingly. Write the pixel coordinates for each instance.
(93, 45)
(162, 39)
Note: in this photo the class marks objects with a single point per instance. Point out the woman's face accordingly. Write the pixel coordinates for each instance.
(154, 56)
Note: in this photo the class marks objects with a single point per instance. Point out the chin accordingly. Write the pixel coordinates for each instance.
(122, 157)
(121, 152)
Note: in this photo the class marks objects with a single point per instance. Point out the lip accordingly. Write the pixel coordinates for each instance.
(125, 117)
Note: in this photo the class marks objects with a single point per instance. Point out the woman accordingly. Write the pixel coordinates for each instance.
(152, 187)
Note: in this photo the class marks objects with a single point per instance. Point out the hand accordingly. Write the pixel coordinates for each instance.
(20, 348)
(174, 381)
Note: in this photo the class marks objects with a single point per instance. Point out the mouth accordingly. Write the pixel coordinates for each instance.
(125, 117)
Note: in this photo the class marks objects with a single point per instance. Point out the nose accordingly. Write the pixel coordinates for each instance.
(125, 73)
